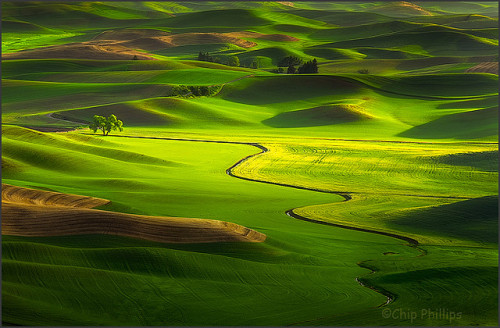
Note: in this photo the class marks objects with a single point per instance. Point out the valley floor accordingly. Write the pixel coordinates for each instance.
(303, 259)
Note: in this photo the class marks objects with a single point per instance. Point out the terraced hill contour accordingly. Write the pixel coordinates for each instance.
(30, 212)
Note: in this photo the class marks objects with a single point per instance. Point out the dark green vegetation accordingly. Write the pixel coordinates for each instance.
(106, 124)
(401, 120)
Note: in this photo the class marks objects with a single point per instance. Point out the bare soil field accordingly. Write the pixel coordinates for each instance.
(30, 212)
(486, 67)
(83, 50)
(125, 44)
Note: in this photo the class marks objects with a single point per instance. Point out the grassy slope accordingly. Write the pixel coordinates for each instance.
(164, 180)
(301, 265)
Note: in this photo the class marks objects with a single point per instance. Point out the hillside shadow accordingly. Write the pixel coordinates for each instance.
(473, 103)
(468, 125)
(485, 160)
(317, 116)
(473, 219)
(276, 89)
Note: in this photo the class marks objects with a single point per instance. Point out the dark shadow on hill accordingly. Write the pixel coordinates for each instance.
(330, 53)
(317, 116)
(379, 53)
(440, 43)
(444, 273)
(472, 103)
(193, 49)
(485, 160)
(468, 125)
(276, 89)
(130, 114)
(473, 219)
(9, 26)
(342, 18)
(225, 18)
(270, 55)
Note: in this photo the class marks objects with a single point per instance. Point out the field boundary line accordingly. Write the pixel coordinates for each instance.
(346, 195)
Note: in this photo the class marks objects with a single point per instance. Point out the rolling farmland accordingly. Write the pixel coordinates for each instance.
(365, 194)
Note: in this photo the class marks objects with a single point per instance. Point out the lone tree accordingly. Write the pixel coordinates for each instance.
(233, 61)
(106, 124)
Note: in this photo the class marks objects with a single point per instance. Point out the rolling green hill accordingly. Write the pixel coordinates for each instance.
(428, 43)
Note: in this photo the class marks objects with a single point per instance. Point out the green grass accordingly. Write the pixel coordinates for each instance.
(164, 180)
(434, 85)
(228, 18)
(413, 143)
(279, 89)
(363, 31)
(190, 76)
(165, 177)
(333, 53)
(34, 66)
(191, 51)
(342, 18)
(429, 43)
(468, 125)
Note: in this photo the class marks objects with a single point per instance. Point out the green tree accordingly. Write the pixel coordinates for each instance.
(309, 67)
(98, 123)
(233, 61)
(106, 124)
(205, 56)
(290, 61)
(314, 66)
(291, 70)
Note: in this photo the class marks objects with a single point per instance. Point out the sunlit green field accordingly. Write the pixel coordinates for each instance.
(405, 151)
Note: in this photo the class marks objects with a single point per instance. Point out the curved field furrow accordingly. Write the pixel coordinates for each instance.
(373, 279)
(411, 242)
(29, 212)
(14, 194)
(359, 168)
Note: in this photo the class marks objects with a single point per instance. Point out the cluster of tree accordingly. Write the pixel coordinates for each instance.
(291, 61)
(251, 63)
(205, 56)
(195, 90)
(228, 60)
(106, 124)
(309, 67)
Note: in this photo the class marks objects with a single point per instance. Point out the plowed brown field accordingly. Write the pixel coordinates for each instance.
(30, 212)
